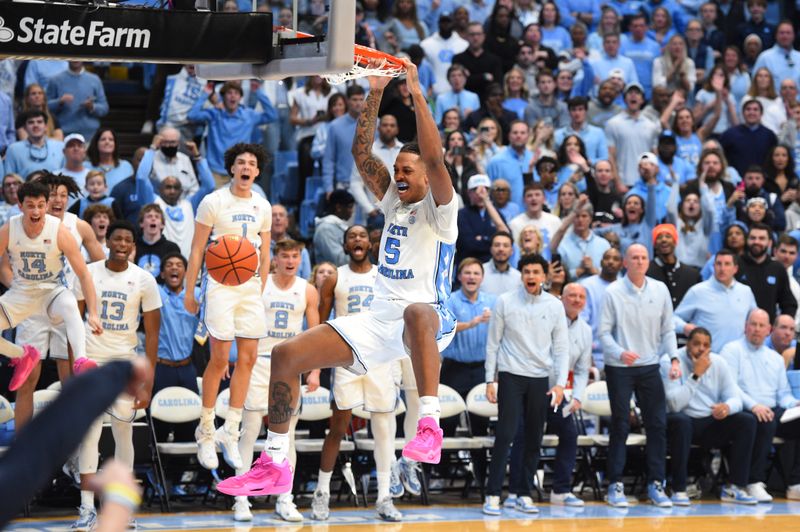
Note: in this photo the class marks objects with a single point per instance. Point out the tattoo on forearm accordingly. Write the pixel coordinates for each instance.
(372, 169)
(280, 403)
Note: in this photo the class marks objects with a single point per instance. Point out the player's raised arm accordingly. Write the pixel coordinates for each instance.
(372, 170)
(326, 292)
(69, 247)
(430, 143)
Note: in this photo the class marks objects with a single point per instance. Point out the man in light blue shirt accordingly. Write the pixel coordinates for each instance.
(705, 408)
(337, 162)
(782, 60)
(592, 136)
(611, 59)
(41, 71)
(78, 100)
(765, 392)
(642, 50)
(596, 285)
(586, 11)
(528, 340)
(37, 152)
(636, 330)
(499, 276)
(514, 161)
(581, 249)
(720, 304)
(457, 97)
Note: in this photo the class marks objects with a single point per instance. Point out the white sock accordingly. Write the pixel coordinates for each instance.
(324, 481)
(87, 498)
(207, 418)
(429, 407)
(284, 497)
(383, 485)
(233, 420)
(277, 446)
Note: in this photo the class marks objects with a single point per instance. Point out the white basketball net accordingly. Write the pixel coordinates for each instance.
(387, 69)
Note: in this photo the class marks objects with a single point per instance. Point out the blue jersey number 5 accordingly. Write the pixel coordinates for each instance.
(391, 250)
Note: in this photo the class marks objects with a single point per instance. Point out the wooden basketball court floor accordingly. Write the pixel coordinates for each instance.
(780, 516)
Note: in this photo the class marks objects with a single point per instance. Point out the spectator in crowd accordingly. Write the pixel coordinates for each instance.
(666, 267)
(629, 134)
(99, 217)
(612, 60)
(329, 230)
(174, 365)
(603, 188)
(638, 220)
(36, 152)
(715, 106)
(74, 159)
(516, 91)
(609, 23)
(671, 169)
(460, 156)
(397, 102)
(440, 48)
(642, 50)
(763, 90)
(554, 35)
(10, 204)
(636, 329)
(164, 160)
(705, 409)
(545, 105)
(747, 144)
(693, 216)
(785, 252)
(593, 137)
(661, 27)
(519, 361)
(780, 173)
(181, 92)
(736, 71)
(478, 221)
(457, 96)
(492, 108)
(307, 113)
(542, 142)
(34, 98)
(720, 304)
(603, 107)
(230, 123)
(499, 276)
(96, 194)
(41, 71)
(405, 24)
(581, 249)
(513, 162)
(337, 163)
(754, 188)
(526, 64)
(752, 48)
(501, 197)
(697, 50)
(765, 276)
(782, 337)
(487, 143)
(7, 130)
(103, 154)
(151, 245)
(77, 98)
(572, 11)
(596, 285)
(756, 24)
(280, 230)
(649, 171)
(530, 241)
(789, 95)
(764, 389)
(535, 214)
(483, 66)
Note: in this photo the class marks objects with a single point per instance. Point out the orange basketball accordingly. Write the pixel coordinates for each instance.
(231, 260)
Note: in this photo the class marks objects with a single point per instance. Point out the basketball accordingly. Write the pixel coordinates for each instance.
(231, 260)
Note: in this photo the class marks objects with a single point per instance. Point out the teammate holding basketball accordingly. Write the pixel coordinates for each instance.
(407, 316)
(287, 299)
(37, 244)
(232, 312)
(125, 293)
(350, 291)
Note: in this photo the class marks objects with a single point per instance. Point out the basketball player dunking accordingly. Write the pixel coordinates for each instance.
(407, 316)
(234, 312)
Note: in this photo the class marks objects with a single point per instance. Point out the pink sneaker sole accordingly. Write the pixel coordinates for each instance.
(82, 365)
(264, 478)
(23, 367)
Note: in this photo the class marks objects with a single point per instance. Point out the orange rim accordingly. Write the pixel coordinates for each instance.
(361, 54)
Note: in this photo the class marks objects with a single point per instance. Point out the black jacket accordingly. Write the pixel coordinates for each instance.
(770, 284)
(678, 277)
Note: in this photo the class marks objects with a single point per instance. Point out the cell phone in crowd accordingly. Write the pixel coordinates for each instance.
(484, 129)
(458, 150)
(320, 113)
(555, 258)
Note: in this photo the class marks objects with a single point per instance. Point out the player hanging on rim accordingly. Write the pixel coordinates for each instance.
(37, 244)
(407, 316)
(287, 299)
(231, 312)
(350, 291)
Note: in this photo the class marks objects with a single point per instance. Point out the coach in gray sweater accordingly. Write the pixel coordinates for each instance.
(528, 341)
(636, 329)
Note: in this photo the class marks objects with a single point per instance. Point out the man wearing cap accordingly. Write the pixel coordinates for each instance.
(77, 99)
(478, 221)
(74, 157)
(330, 229)
(666, 267)
(611, 59)
(719, 304)
(629, 134)
(37, 152)
(593, 137)
(439, 51)
(642, 50)
(648, 173)
(672, 169)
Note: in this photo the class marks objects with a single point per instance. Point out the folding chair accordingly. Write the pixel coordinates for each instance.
(42, 398)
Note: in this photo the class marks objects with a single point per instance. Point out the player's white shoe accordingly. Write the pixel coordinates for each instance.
(229, 444)
(241, 510)
(386, 510)
(206, 448)
(287, 510)
(320, 509)
(87, 519)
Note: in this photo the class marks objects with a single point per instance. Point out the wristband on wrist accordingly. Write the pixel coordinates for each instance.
(122, 494)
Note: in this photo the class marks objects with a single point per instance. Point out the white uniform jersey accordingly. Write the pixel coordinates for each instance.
(353, 292)
(231, 215)
(70, 221)
(120, 296)
(417, 249)
(285, 310)
(179, 226)
(36, 262)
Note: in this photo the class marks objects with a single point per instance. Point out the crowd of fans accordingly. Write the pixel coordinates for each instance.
(597, 147)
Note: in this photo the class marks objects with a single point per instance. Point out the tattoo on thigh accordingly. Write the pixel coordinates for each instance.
(280, 403)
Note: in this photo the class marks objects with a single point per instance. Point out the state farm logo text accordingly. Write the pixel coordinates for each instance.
(65, 34)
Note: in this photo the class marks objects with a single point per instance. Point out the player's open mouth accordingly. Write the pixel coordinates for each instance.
(101, 227)
(153, 227)
(402, 186)
(36, 219)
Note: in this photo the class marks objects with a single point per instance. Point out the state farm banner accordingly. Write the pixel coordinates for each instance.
(39, 30)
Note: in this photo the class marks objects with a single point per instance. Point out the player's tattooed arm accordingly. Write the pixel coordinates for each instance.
(371, 168)
(280, 403)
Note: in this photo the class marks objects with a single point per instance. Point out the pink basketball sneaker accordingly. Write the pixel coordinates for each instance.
(264, 478)
(426, 446)
(82, 365)
(23, 366)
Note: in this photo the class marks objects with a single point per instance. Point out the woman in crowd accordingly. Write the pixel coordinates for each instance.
(542, 142)
(674, 69)
(737, 72)
(638, 221)
(487, 143)
(35, 99)
(692, 213)
(789, 133)
(530, 241)
(405, 24)
(460, 158)
(516, 92)
(609, 23)
(554, 36)
(451, 121)
(567, 199)
(734, 239)
(763, 90)
(503, 32)
(780, 173)
(308, 111)
(544, 57)
(689, 142)
(715, 107)
(103, 154)
(573, 162)
(337, 106)
(661, 29)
